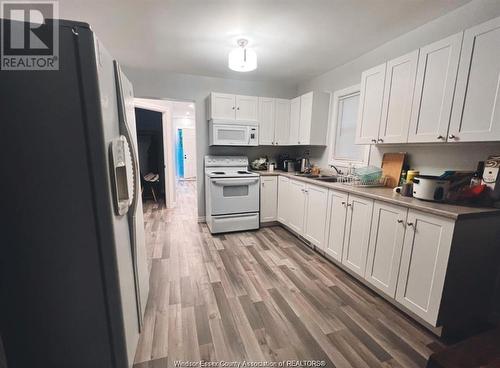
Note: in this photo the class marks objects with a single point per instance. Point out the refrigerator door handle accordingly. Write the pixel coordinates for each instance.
(125, 130)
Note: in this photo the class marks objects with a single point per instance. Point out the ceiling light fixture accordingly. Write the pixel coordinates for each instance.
(242, 58)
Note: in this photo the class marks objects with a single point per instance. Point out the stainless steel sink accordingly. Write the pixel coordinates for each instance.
(325, 178)
(328, 179)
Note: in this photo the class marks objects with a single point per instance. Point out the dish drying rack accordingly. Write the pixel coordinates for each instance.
(360, 182)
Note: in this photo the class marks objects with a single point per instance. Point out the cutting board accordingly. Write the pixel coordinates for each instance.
(392, 165)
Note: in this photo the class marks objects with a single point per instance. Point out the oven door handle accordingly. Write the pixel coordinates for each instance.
(237, 182)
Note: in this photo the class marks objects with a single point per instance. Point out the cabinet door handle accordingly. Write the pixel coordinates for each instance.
(233, 107)
(400, 221)
(440, 137)
(299, 142)
(380, 140)
(410, 224)
(238, 108)
(374, 140)
(349, 204)
(451, 136)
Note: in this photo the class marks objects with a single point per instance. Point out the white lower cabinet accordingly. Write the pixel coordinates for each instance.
(302, 207)
(357, 233)
(296, 206)
(336, 216)
(268, 198)
(283, 199)
(401, 253)
(424, 262)
(386, 243)
(315, 216)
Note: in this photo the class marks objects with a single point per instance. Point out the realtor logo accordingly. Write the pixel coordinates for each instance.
(29, 41)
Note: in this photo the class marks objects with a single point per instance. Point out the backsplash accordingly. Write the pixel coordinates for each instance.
(434, 159)
(272, 152)
(430, 159)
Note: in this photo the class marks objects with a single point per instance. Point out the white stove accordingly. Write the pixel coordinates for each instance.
(231, 194)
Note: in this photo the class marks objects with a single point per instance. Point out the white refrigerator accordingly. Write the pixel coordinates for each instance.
(74, 279)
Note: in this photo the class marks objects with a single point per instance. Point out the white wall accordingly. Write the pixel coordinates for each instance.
(176, 86)
(179, 123)
(427, 158)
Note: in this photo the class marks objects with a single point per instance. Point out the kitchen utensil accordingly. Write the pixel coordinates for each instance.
(392, 165)
(302, 165)
(289, 165)
(430, 188)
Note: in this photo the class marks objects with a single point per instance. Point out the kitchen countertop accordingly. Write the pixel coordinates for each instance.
(387, 195)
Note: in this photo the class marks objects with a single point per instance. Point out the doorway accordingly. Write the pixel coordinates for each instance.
(151, 154)
(167, 148)
(185, 139)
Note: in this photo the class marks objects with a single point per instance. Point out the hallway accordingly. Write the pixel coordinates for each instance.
(261, 296)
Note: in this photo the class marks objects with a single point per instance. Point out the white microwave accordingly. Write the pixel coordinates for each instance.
(230, 133)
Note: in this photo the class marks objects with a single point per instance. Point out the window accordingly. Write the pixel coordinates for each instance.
(343, 151)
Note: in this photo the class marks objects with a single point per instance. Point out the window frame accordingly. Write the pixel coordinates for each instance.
(334, 127)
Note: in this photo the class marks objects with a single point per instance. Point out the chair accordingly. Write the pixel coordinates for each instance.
(151, 180)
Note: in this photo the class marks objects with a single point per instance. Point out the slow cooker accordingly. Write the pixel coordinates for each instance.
(430, 188)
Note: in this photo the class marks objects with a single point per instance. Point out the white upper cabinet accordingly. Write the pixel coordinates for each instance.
(336, 216)
(434, 88)
(247, 108)
(306, 107)
(268, 198)
(309, 119)
(315, 217)
(281, 121)
(386, 244)
(476, 107)
(357, 233)
(274, 121)
(294, 120)
(370, 105)
(300, 121)
(398, 95)
(221, 106)
(225, 106)
(424, 262)
(266, 121)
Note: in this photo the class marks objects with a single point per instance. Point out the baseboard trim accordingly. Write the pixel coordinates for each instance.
(269, 223)
(202, 219)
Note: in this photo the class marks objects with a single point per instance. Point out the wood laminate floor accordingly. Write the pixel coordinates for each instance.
(261, 296)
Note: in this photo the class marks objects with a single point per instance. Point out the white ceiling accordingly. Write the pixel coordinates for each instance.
(294, 39)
